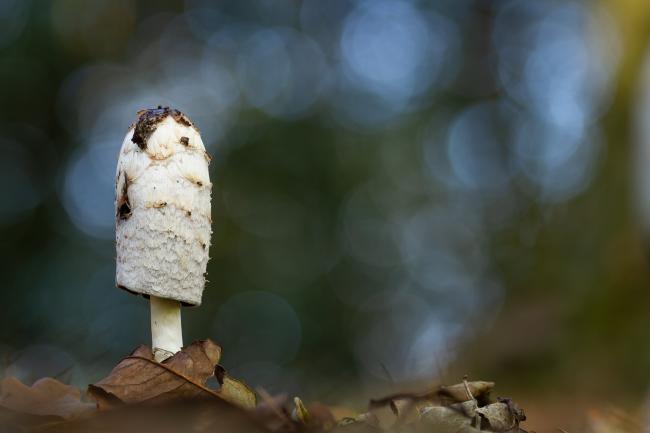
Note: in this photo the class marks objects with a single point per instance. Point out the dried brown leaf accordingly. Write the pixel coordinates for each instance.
(237, 392)
(442, 419)
(45, 397)
(498, 416)
(139, 378)
(234, 391)
(458, 393)
(444, 395)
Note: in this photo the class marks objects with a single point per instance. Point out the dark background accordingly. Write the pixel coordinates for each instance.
(404, 192)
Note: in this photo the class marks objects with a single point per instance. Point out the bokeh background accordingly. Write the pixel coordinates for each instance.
(404, 191)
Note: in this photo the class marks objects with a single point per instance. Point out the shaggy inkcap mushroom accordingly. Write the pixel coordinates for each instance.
(163, 217)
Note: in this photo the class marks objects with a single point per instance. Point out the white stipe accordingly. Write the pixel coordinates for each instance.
(166, 330)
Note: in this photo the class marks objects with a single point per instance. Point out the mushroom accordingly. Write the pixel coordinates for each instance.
(163, 222)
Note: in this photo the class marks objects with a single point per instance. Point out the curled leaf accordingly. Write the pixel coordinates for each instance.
(139, 378)
(234, 391)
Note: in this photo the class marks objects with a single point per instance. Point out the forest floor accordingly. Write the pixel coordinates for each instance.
(181, 394)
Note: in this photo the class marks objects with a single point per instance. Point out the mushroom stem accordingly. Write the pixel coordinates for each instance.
(166, 330)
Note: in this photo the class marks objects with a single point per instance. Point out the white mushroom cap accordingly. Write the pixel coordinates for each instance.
(163, 208)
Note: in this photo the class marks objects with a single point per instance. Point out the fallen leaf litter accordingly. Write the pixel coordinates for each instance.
(141, 394)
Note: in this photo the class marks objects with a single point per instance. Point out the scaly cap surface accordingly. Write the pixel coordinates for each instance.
(163, 211)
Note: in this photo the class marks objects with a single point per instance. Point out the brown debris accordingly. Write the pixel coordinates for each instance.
(124, 211)
(149, 119)
(123, 205)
